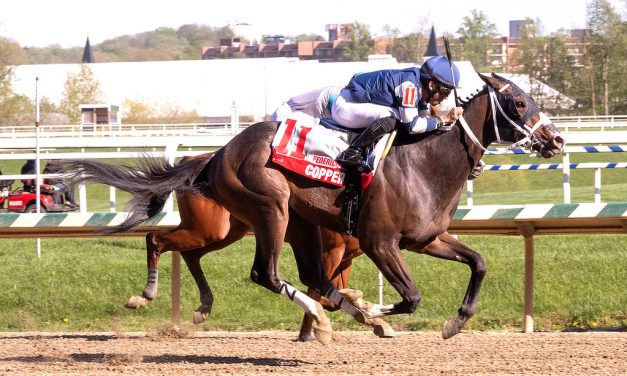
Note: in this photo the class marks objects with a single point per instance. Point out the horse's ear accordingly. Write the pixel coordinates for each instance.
(496, 81)
(492, 81)
(499, 77)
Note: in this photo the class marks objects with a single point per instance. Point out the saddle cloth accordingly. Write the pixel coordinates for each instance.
(309, 149)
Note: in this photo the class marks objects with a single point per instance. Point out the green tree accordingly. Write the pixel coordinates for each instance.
(606, 58)
(530, 57)
(14, 109)
(11, 53)
(79, 88)
(476, 34)
(408, 48)
(358, 44)
(561, 67)
(308, 38)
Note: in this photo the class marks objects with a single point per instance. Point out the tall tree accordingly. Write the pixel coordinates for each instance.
(531, 56)
(476, 33)
(358, 43)
(79, 88)
(14, 109)
(606, 57)
(408, 48)
(562, 67)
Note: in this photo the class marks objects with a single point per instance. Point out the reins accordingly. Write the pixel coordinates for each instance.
(528, 141)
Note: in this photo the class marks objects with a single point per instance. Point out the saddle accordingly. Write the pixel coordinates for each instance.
(308, 148)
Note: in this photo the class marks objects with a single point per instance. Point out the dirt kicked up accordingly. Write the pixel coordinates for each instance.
(351, 353)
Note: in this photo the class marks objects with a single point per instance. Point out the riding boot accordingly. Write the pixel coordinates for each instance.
(355, 156)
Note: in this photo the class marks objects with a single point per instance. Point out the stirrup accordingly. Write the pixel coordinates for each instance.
(352, 157)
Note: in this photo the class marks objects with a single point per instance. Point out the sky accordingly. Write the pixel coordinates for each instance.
(40, 23)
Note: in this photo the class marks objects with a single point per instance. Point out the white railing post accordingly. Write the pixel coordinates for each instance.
(112, 199)
(234, 119)
(82, 197)
(380, 288)
(597, 185)
(170, 157)
(566, 177)
(469, 189)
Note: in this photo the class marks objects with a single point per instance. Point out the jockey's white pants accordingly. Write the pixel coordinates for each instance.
(353, 114)
(314, 103)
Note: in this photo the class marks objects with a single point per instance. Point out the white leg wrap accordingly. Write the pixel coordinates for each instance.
(339, 300)
(305, 302)
(150, 291)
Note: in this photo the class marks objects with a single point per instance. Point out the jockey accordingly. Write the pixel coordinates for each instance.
(403, 94)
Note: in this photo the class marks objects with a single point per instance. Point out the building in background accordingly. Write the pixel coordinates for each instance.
(501, 54)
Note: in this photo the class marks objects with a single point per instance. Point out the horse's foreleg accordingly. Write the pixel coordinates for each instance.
(448, 248)
(304, 238)
(387, 257)
(337, 270)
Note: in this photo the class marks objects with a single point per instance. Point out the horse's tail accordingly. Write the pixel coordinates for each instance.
(149, 183)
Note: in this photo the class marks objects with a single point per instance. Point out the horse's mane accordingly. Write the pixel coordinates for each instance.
(404, 138)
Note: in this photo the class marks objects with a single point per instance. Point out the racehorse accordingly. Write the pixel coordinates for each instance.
(409, 203)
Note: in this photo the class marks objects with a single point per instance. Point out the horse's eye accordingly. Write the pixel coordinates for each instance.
(520, 104)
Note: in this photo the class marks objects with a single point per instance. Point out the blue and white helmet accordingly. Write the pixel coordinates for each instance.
(438, 69)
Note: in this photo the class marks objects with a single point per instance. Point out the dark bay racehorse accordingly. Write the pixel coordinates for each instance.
(408, 204)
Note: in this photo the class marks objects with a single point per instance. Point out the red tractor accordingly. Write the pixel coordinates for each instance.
(25, 201)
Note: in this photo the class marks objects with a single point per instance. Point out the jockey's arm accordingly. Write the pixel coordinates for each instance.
(420, 118)
(417, 121)
(412, 115)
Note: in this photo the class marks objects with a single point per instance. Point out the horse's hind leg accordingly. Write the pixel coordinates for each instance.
(205, 226)
(449, 248)
(192, 260)
(153, 252)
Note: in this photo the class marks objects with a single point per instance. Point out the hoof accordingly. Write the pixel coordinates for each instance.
(136, 302)
(322, 326)
(201, 313)
(306, 337)
(199, 316)
(452, 327)
(382, 329)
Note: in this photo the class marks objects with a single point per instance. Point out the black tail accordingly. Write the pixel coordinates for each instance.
(150, 183)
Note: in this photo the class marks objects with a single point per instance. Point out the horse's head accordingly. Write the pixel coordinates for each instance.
(518, 119)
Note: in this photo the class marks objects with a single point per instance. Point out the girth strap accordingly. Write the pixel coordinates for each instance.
(352, 201)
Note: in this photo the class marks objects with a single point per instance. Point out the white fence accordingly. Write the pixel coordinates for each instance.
(566, 124)
(177, 140)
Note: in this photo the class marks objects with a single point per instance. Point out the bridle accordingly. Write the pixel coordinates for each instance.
(528, 141)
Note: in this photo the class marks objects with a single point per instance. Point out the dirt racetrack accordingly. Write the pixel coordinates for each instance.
(351, 353)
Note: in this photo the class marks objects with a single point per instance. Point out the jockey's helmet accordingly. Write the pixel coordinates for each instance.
(438, 69)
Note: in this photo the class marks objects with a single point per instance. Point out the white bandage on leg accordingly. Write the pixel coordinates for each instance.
(150, 291)
(337, 298)
(305, 302)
